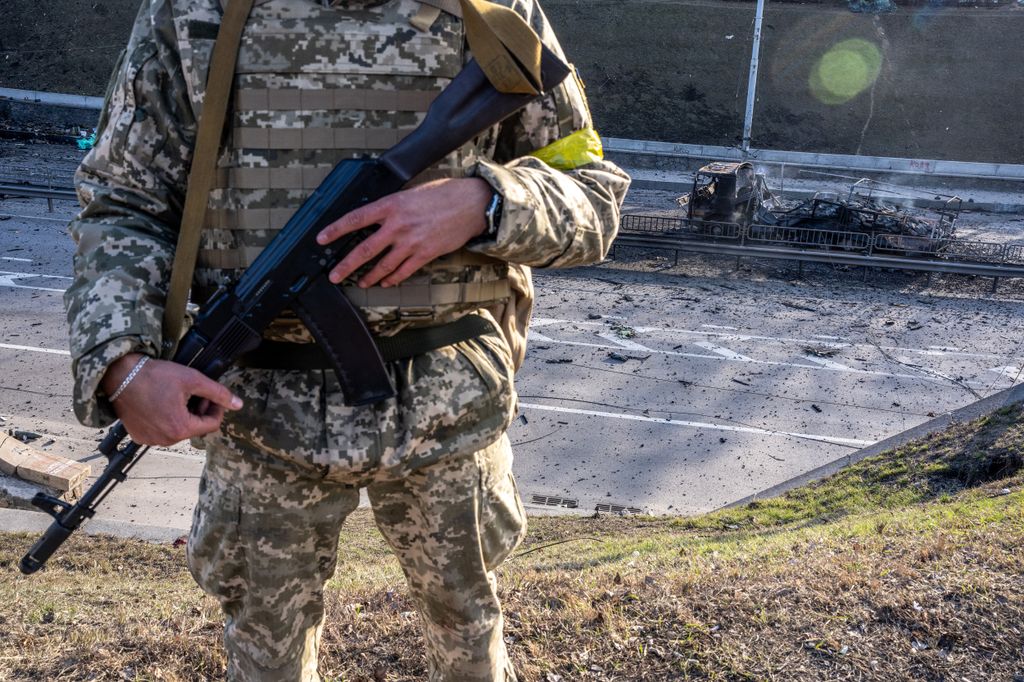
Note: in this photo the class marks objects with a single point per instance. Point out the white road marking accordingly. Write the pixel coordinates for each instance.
(19, 260)
(717, 326)
(824, 336)
(1010, 372)
(724, 352)
(830, 364)
(537, 336)
(624, 343)
(34, 349)
(8, 279)
(720, 353)
(701, 425)
(931, 350)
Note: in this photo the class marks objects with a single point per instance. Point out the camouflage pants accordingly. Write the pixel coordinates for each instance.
(264, 541)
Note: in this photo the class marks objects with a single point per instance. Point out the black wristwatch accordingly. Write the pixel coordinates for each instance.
(493, 216)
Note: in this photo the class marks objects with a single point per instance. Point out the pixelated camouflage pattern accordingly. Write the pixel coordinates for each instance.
(450, 403)
(279, 477)
(132, 187)
(264, 541)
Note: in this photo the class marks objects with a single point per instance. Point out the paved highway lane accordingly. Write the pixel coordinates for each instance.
(660, 392)
(680, 395)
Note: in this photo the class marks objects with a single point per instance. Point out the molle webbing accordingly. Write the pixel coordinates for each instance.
(359, 99)
(298, 178)
(429, 294)
(368, 139)
(237, 259)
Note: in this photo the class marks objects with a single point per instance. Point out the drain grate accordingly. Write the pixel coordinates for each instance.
(617, 509)
(549, 501)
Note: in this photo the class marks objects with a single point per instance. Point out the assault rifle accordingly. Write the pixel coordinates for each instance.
(291, 272)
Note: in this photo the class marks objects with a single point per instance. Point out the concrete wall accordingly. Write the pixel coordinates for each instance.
(949, 82)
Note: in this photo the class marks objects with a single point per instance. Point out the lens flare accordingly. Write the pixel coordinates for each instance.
(845, 71)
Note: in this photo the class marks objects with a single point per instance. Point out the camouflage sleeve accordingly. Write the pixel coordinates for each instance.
(551, 218)
(131, 187)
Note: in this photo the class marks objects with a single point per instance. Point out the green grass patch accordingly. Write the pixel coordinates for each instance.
(903, 566)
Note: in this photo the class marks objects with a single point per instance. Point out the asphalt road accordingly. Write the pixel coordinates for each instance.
(670, 392)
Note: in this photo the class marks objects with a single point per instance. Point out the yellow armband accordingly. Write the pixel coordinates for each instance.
(578, 149)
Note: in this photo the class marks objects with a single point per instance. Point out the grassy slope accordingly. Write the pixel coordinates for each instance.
(906, 566)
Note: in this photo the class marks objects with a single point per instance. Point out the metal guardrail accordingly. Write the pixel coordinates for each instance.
(860, 164)
(59, 99)
(951, 256)
(36, 191)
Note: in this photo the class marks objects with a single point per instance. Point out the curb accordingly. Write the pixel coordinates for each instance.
(970, 412)
(19, 521)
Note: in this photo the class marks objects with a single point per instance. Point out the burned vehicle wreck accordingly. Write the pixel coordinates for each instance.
(726, 193)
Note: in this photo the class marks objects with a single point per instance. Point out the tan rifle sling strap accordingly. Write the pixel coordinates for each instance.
(204, 167)
(506, 48)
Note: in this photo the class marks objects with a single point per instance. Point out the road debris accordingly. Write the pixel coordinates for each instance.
(24, 436)
(798, 306)
(623, 331)
(619, 357)
(29, 463)
(821, 351)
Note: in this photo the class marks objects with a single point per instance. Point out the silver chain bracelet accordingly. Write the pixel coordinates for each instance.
(128, 379)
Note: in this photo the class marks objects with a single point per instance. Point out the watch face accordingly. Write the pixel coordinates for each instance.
(493, 214)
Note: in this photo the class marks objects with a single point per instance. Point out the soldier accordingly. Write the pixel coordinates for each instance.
(318, 81)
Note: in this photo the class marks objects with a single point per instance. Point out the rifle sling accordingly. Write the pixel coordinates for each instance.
(282, 355)
(202, 174)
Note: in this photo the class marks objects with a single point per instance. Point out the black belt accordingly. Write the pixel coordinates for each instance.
(404, 344)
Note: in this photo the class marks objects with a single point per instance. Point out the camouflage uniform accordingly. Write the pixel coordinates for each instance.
(318, 82)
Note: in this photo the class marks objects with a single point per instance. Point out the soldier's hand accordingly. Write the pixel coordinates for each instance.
(417, 225)
(154, 406)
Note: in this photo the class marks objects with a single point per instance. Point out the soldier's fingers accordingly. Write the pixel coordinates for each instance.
(200, 425)
(384, 267)
(203, 406)
(363, 253)
(371, 214)
(204, 387)
(403, 272)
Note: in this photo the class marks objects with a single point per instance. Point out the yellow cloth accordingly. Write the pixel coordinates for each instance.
(573, 151)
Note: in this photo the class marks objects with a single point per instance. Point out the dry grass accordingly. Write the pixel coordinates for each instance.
(904, 567)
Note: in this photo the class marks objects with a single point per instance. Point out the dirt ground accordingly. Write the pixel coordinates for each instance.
(676, 70)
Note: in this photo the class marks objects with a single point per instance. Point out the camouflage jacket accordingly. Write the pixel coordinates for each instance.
(132, 188)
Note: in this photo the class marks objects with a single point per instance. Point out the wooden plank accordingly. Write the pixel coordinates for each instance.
(32, 464)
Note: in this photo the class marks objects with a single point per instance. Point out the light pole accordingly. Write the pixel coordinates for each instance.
(755, 53)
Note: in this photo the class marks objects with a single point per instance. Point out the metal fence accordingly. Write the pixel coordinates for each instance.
(806, 236)
(681, 227)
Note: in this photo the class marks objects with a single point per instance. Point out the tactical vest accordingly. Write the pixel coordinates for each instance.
(316, 84)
